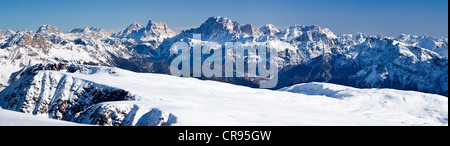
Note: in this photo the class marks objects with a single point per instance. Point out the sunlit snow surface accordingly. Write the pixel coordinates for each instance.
(195, 102)
(12, 118)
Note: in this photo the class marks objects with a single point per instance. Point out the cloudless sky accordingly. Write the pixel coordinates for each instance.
(387, 17)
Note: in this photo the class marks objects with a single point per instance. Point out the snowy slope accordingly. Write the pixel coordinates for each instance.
(386, 102)
(169, 100)
(12, 118)
(40, 92)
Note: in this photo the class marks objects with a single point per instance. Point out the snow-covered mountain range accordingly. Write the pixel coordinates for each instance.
(306, 53)
(80, 46)
(310, 53)
(75, 76)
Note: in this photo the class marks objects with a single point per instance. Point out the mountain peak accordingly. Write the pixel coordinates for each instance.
(7, 32)
(251, 30)
(47, 28)
(220, 23)
(157, 29)
(134, 26)
(10, 31)
(270, 26)
(130, 31)
(269, 29)
(153, 32)
(156, 25)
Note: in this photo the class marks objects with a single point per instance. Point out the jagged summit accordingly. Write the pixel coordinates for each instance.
(134, 26)
(155, 29)
(222, 29)
(129, 32)
(154, 33)
(151, 24)
(221, 23)
(48, 29)
(269, 29)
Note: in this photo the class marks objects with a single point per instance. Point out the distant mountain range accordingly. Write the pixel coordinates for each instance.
(306, 53)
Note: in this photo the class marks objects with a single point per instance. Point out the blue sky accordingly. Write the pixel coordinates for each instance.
(387, 17)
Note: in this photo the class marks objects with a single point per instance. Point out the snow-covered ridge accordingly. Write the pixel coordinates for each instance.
(59, 91)
(388, 102)
(152, 35)
(44, 91)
